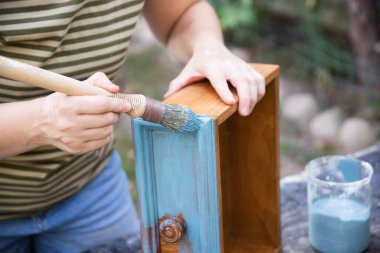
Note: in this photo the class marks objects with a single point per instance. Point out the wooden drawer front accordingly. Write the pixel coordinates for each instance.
(176, 176)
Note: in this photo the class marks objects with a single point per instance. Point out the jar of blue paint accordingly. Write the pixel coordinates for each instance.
(339, 204)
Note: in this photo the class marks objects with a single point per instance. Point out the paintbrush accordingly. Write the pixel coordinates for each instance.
(176, 117)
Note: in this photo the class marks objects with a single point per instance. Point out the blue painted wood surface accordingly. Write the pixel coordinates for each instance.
(176, 174)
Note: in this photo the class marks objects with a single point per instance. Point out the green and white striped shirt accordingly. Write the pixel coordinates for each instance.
(75, 38)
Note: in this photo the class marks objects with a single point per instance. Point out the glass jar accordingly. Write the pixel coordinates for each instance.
(339, 203)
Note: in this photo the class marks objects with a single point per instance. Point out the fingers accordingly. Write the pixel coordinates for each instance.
(250, 86)
(100, 105)
(100, 80)
(221, 87)
(259, 82)
(96, 132)
(245, 97)
(79, 124)
(220, 68)
(88, 121)
(80, 147)
(95, 144)
(186, 77)
(99, 133)
(190, 74)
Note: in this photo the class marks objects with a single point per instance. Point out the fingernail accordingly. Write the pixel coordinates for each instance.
(115, 86)
(167, 93)
(245, 112)
(231, 99)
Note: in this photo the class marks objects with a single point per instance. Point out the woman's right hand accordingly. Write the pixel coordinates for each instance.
(75, 124)
(78, 124)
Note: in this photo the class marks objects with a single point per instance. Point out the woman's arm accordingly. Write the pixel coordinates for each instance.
(75, 124)
(191, 31)
(18, 127)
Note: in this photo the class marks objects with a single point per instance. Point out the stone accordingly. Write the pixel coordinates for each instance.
(323, 127)
(300, 108)
(354, 134)
(289, 166)
(283, 90)
(289, 86)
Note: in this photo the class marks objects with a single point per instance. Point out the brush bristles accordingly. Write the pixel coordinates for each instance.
(180, 118)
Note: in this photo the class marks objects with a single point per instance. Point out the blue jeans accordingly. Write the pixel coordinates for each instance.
(102, 211)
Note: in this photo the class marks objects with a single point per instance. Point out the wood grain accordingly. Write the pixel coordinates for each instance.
(248, 153)
(238, 246)
(46, 79)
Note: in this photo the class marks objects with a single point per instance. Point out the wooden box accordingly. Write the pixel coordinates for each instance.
(215, 190)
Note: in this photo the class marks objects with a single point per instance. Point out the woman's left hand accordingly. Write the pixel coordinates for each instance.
(219, 65)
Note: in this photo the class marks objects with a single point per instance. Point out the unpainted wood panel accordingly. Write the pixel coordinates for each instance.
(249, 175)
(236, 246)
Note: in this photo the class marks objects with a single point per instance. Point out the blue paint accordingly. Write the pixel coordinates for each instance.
(339, 225)
(180, 118)
(350, 169)
(176, 174)
(192, 123)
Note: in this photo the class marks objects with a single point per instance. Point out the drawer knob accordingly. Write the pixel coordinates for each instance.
(172, 228)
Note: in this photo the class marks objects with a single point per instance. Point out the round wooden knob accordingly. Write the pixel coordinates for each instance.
(171, 229)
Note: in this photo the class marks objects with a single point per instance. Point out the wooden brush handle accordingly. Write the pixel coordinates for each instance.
(53, 81)
(46, 79)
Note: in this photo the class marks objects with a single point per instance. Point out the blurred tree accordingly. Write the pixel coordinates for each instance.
(321, 53)
(238, 19)
(365, 35)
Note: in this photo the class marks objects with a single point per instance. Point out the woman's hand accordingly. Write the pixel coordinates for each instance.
(78, 124)
(219, 65)
(191, 31)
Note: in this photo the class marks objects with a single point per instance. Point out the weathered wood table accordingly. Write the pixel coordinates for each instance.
(294, 208)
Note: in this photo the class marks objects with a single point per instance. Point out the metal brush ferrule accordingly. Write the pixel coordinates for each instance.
(154, 111)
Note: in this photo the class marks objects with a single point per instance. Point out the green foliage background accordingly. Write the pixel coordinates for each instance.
(315, 52)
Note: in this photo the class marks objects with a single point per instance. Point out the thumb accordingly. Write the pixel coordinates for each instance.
(184, 78)
(100, 80)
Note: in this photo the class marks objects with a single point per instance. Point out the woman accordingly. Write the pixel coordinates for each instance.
(62, 188)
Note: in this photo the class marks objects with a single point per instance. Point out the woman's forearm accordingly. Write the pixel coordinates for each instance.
(191, 31)
(18, 128)
(197, 29)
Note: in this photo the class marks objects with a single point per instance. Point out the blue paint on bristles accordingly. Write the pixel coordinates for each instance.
(180, 118)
